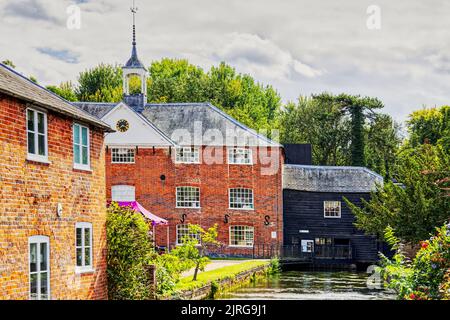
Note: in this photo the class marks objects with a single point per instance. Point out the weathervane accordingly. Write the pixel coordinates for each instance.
(134, 10)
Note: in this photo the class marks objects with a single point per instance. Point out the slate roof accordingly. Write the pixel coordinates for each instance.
(16, 85)
(330, 179)
(134, 61)
(192, 117)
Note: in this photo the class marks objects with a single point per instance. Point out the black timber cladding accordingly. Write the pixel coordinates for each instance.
(304, 212)
(298, 154)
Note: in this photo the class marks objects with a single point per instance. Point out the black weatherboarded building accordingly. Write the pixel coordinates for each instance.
(318, 225)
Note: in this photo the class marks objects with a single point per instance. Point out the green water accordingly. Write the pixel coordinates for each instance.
(301, 285)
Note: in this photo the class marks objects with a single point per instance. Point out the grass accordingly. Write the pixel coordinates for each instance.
(204, 278)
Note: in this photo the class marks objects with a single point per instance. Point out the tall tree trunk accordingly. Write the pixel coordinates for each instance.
(357, 146)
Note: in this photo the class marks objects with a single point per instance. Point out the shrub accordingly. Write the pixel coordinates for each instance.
(427, 277)
(129, 253)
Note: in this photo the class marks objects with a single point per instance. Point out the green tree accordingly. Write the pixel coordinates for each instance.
(430, 126)
(416, 206)
(360, 109)
(195, 248)
(130, 251)
(9, 63)
(321, 124)
(65, 90)
(100, 84)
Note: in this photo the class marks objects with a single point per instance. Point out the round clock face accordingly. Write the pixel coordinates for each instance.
(122, 125)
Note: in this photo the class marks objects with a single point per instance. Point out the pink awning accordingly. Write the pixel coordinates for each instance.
(136, 206)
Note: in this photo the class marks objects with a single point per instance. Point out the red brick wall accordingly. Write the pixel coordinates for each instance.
(29, 195)
(214, 181)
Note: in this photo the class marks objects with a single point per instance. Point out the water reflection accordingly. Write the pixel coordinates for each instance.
(301, 285)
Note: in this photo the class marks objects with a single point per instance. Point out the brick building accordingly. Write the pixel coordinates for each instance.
(52, 195)
(192, 164)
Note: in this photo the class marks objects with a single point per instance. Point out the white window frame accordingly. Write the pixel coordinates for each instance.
(122, 189)
(84, 268)
(245, 230)
(35, 156)
(307, 246)
(233, 152)
(235, 202)
(184, 207)
(38, 240)
(124, 157)
(81, 166)
(332, 204)
(186, 233)
(194, 157)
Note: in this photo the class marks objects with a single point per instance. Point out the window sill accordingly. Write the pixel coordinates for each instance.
(192, 208)
(244, 209)
(240, 164)
(241, 247)
(332, 217)
(82, 168)
(79, 270)
(37, 159)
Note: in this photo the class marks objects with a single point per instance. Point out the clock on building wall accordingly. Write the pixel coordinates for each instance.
(122, 125)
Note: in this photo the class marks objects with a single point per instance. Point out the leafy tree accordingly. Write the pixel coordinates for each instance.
(418, 204)
(130, 250)
(100, 84)
(359, 108)
(430, 126)
(194, 249)
(321, 124)
(65, 90)
(9, 63)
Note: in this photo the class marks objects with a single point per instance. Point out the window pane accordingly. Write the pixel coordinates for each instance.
(84, 136)
(87, 256)
(33, 257)
(79, 257)
(79, 237)
(41, 123)
(41, 142)
(87, 237)
(44, 287)
(43, 256)
(33, 286)
(76, 154)
(31, 146)
(30, 116)
(76, 134)
(85, 156)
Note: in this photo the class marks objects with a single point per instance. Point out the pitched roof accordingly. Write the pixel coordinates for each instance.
(193, 118)
(134, 62)
(330, 179)
(16, 85)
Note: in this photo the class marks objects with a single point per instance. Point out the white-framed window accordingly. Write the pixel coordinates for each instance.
(242, 236)
(123, 155)
(39, 267)
(183, 232)
(332, 209)
(241, 198)
(81, 150)
(37, 135)
(187, 155)
(240, 156)
(188, 197)
(83, 246)
(307, 246)
(123, 193)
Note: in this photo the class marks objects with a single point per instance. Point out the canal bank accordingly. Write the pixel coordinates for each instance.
(311, 285)
(221, 280)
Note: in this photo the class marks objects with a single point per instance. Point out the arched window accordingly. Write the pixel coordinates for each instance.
(39, 267)
(123, 193)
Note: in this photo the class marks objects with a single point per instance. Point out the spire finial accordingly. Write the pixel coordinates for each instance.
(134, 10)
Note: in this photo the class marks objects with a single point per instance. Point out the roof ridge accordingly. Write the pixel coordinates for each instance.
(87, 115)
(335, 168)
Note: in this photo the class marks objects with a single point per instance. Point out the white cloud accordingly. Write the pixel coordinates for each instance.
(298, 46)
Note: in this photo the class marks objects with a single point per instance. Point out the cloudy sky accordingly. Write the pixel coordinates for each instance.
(298, 46)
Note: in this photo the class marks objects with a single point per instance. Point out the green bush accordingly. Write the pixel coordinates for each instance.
(130, 251)
(427, 277)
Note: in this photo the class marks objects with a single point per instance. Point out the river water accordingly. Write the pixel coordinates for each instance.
(301, 285)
